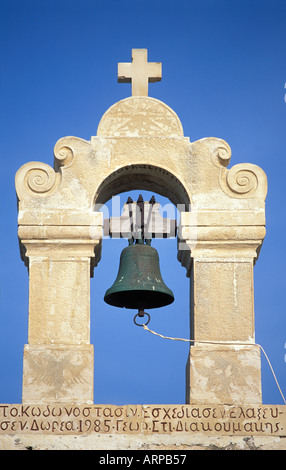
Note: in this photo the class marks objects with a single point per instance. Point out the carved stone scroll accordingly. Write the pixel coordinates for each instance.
(244, 180)
(36, 179)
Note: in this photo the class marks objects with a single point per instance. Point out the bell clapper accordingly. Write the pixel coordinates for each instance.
(141, 314)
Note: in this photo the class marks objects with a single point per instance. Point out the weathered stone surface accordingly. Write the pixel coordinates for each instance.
(178, 444)
(139, 72)
(60, 373)
(140, 117)
(214, 373)
(159, 427)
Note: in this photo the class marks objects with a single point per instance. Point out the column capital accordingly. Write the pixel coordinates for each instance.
(61, 241)
(221, 236)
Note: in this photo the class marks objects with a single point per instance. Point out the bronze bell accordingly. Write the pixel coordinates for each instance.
(139, 283)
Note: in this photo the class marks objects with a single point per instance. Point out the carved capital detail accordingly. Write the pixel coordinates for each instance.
(63, 155)
(243, 181)
(221, 151)
(36, 179)
(218, 150)
(68, 149)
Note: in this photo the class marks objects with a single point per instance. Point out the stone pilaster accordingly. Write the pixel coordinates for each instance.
(224, 362)
(58, 359)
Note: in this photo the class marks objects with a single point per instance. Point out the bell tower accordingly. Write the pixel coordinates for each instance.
(140, 144)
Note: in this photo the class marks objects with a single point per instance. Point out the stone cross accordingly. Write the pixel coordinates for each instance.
(139, 72)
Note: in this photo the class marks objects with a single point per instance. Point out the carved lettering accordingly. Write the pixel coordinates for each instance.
(145, 419)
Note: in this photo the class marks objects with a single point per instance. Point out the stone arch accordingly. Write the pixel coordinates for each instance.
(103, 315)
(145, 177)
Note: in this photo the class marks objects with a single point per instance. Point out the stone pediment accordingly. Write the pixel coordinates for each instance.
(140, 116)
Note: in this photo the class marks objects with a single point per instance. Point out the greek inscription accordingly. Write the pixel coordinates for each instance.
(146, 419)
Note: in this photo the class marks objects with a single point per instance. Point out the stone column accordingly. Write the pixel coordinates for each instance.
(58, 359)
(225, 366)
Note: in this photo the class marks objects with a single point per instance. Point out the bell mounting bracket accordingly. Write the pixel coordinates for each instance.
(140, 220)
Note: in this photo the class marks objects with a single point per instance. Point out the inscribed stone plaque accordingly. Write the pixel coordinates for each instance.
(264, 420)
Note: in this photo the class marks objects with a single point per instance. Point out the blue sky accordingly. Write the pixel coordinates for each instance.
(224, 74)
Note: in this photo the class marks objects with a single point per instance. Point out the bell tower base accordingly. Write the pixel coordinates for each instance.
(160, 427)
(58, 374)
(223, 374)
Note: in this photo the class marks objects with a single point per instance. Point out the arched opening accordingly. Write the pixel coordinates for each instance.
(143, 177)
(132, 365)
